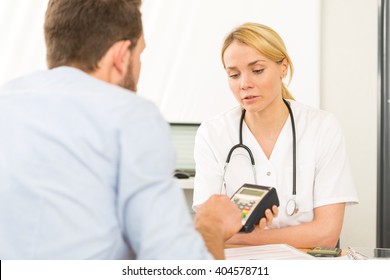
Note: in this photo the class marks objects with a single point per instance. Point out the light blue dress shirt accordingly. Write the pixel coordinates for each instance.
(86, 173)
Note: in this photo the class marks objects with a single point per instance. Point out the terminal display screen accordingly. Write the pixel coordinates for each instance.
(252, 192)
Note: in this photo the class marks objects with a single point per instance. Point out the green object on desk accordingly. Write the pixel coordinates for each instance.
(324, 252)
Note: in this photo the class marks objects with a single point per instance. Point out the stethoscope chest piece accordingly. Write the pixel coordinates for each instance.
(291, 207)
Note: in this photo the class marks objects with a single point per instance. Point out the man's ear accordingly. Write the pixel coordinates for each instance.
(121, 55)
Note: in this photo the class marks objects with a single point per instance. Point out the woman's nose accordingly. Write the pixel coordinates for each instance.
(245, 82)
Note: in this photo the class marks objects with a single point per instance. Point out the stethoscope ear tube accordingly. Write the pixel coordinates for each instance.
(294, 149)
(223, 186)
(244, 147)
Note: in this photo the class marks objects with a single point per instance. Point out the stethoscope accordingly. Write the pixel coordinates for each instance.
(292, 206)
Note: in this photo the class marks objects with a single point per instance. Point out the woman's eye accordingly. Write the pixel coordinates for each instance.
(234, 76)
(258, 71)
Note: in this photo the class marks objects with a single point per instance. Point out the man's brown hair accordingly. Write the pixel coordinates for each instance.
(80, 32)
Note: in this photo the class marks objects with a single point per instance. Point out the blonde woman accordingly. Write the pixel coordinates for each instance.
(297, 149)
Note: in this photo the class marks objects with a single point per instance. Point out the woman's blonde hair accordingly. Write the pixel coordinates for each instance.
(266, 41)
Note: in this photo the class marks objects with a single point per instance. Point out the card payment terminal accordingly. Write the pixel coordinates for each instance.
(253, 200)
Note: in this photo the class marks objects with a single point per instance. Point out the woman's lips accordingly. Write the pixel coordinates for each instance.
(249, 98)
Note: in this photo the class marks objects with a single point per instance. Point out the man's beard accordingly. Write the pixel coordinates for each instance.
(128, 81)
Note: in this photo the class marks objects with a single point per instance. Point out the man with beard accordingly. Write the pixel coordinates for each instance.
(85, 164)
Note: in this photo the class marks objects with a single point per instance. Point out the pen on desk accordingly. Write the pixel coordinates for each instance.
(355, 255)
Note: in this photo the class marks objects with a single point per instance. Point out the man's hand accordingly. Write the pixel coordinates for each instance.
(217, 220)
(222, 212)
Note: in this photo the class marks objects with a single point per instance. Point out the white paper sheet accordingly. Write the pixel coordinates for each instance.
(266, 252)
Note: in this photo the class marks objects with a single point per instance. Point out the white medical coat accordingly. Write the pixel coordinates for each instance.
(323, 171)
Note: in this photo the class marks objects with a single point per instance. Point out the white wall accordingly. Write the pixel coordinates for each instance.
(349, 90)
(22, 45)
(182, 69)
